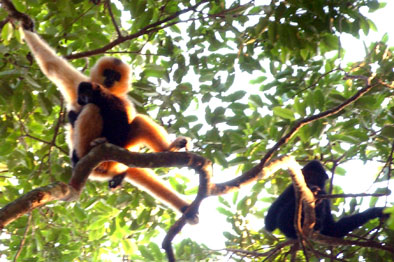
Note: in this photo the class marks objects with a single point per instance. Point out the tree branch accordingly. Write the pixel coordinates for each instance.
(108, 5)
(352, 195)
(321, 239)
(34, 199)
(256, 172)
(304, 200)
(27, 22)
(154, 27)
(267, 254)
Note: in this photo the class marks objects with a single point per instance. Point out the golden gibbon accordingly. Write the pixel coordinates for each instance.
(90, 119)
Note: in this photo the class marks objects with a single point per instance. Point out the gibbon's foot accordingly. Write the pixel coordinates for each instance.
(98, 141)
(116, 181)
(191, 218)
(180, 142)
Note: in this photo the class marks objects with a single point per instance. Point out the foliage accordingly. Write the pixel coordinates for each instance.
(249, 70)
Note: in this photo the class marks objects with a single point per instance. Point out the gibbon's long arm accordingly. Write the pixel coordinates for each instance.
(57, 69)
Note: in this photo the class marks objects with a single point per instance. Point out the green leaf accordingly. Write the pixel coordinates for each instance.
(299, 107)
(329, 42)
(6, 33)
(146, 253)
(234, 96)
(128, 246)
(6, 148)
(258, 80)
(156, 71)
(284, 113)
(224, 211)
(256, 100)
(319, 99)
(388, 131)
(79, 213)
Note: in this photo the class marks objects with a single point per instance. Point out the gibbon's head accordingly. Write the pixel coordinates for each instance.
(315, 174)
(113, 74)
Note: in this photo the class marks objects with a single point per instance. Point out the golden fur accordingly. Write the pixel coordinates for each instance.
(88, 125)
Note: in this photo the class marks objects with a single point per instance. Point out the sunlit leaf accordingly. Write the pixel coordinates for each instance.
(284, 113)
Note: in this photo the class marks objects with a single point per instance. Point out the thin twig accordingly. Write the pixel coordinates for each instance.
(352, 195)
(22, 244)
(108, 4)
(154, 27)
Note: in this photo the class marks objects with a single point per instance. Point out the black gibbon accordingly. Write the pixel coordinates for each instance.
(282, 211)
(89, 119)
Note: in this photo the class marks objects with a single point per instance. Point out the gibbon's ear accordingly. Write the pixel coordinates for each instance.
(113, 74)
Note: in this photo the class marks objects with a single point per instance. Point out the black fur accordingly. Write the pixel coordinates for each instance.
(111, 76)
(281, 213)
(72, 117)
(112, 110)
(116, 181)
(74, 158)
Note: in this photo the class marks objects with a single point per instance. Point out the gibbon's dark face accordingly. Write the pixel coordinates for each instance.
(111, 76)
(315, 174)
(87, 92)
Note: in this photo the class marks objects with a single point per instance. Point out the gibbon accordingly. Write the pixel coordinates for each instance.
(282, 211)
(90, 119)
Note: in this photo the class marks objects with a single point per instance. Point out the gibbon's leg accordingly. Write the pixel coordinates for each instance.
(145, 179)
(280, 205)
(147, 132)
(57, 69)
(87, 128)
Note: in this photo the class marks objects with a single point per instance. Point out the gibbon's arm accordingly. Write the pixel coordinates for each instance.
(350, 223)
(57, 69)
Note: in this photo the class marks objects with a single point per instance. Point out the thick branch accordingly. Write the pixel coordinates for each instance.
(205, 174)
(61, 191)
(34, 199)
(305, 201)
